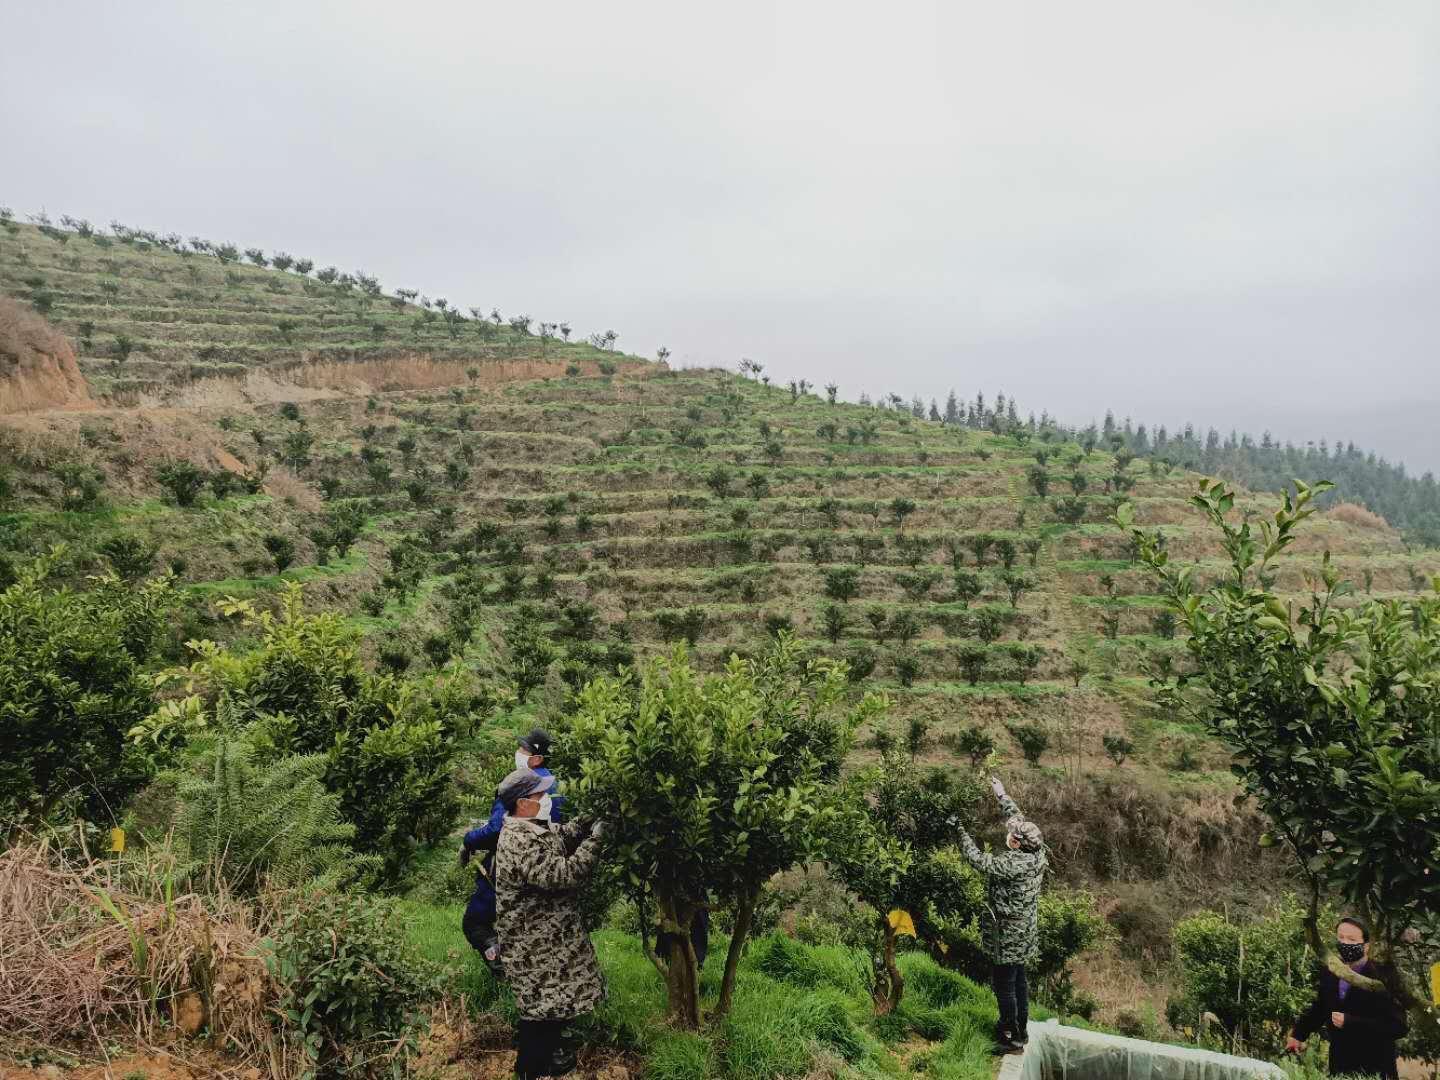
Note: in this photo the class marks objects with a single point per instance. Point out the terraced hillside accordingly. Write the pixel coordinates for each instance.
(656, 507)
(151, 316)
(534, 512)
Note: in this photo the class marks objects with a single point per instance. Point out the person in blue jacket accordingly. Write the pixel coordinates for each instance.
(478, 923)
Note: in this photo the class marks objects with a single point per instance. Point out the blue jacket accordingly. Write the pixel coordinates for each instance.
(482, 900)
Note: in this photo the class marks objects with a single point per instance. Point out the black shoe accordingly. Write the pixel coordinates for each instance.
(1005, 1044)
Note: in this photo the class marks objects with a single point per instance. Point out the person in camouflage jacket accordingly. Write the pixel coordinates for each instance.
(1009, 922)
(540, 869)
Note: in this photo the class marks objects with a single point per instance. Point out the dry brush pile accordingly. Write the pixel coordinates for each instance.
(89, 951)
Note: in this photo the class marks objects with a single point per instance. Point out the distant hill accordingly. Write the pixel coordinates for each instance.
(149, 313)
(1409, 502)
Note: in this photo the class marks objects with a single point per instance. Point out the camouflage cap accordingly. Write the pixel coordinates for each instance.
(521, 784)
(1026, 832)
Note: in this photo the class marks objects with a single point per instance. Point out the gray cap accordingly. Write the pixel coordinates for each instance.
(520, 784)
(1026, 832)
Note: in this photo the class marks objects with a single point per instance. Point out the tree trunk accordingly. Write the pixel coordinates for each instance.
(889, 984)
(682, 975)
(660, 965)
(744, 915)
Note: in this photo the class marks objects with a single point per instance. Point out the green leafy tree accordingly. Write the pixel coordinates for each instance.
(718, 480)
(129, 556)
(1033, 740)
(181, 480)
(979, 545)
(1117, 747)
(72, 685)
(905, 626)
(835, 621)
(281, 549)
(917, 736)
(710, 786)
(989, 625)
(1017, 585)
(1331, 711)
(687, 625)
(529, 651)
(973, 742)
(297, 448)
(968, 587)
(917, 584)
(906, 666)
(892, 847)
(1024, 660)
(972, 660)
(842, 583)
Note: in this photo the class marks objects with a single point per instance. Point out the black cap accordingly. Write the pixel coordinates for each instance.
(519, 785)
(537, 742)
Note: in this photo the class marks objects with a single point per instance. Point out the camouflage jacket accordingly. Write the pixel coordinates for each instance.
(1009, 922)
(549, 960)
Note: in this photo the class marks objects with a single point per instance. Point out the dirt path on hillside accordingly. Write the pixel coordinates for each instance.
(326, 381)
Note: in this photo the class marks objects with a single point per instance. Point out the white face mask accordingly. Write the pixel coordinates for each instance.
(522, 759)
(543, 814)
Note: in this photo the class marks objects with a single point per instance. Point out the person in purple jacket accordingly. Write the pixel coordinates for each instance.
(478, 923)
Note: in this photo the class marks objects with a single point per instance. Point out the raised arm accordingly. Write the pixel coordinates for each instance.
(1007, 804)
(546, 866)
(572, 833)
(981, 860)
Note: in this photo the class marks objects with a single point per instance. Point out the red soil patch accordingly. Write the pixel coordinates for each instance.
(37, 365)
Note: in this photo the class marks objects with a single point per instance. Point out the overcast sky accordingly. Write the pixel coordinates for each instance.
(1223, 212)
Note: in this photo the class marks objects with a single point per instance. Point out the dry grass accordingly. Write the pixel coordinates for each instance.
(283, 484)
(1357, 515)
(93, 950)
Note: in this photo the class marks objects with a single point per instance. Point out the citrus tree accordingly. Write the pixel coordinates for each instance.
(709, 785)
(72, 683)
(895, 851)
(1331, 709)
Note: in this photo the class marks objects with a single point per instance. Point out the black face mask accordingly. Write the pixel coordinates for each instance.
(1350, 952)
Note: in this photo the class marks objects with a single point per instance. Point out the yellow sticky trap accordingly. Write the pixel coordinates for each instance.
(117, 841)
(1435, 984)
(902, 923)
